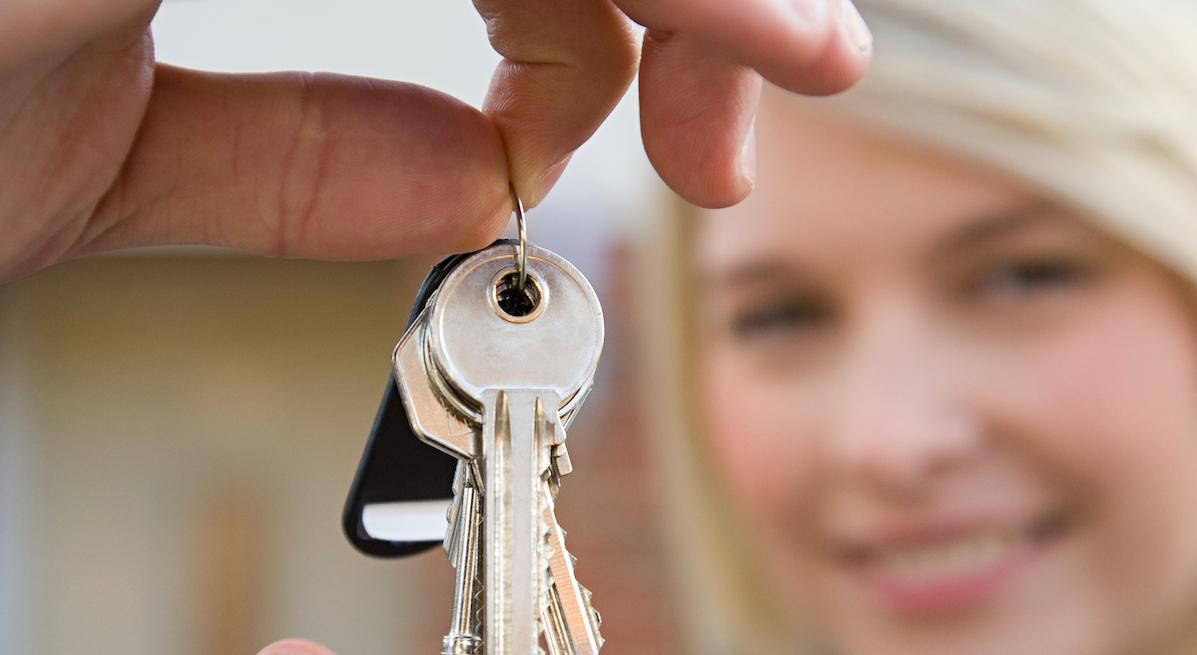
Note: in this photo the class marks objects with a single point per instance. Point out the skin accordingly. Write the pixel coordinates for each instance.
(103, 148)
(944, 355)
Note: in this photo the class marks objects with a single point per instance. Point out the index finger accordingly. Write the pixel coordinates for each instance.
(806, 46)
(700, 80)
(566, 64)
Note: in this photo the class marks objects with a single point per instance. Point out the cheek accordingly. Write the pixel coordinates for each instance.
(1116, 405)
(1108, 411)
(757, 435)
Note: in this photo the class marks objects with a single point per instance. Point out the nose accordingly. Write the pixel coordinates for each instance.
(899, 421)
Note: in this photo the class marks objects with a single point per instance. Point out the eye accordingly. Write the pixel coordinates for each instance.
(1030, 276)
(780, 317)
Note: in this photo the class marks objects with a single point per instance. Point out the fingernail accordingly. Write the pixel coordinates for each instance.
(548, 179)
(812, 11)
(748, 156)
(853, 23)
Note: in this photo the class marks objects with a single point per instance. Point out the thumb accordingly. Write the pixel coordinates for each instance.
(295, 647)
(305, 165)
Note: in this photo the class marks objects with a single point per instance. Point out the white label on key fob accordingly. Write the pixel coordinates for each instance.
(408, 521)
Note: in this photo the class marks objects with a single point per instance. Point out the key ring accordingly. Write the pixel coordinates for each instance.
(521, 248)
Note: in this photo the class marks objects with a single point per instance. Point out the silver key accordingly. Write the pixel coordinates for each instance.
(430, 420)
(514, 376)
(461, 545)
(571, 625)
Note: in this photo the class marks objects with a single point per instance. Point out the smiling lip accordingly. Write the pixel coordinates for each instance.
(938, 570)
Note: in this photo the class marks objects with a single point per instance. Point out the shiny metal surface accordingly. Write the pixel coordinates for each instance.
(462, 548)
(521, 227)
(477, 349)
(571, 623)
(426, 411)
(497, 391)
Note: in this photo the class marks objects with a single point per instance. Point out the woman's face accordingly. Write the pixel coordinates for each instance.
(958, 419)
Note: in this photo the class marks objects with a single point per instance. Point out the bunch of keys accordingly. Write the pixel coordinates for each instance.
(499, 355)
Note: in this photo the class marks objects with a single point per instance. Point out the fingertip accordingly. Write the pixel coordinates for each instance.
(566, 66)
(708, 196)
(815, 47)
(545, 183)
(855, 29)
(839, 63)
(699, 174)
(697, 121)
(748, 156)
(295, 647)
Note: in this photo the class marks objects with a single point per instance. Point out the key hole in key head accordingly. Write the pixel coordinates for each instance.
(518, 304)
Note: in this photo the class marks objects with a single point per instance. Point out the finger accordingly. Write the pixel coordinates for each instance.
(37, 28)
(566, 65)
(806, 46)
(699, 85)
(300, 165)
(696, 119)
(295, 647)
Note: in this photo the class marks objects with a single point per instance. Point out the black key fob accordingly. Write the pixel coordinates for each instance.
(403, 486)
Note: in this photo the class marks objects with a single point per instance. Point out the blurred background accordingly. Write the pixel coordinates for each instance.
(179, 427)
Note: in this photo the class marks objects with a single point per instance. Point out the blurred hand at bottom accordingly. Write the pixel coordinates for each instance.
(295, 647)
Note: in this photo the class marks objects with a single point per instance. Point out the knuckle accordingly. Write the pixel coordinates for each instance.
(303, 169)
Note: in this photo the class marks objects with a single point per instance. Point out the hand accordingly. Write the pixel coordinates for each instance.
(295, 647)
(101, 148)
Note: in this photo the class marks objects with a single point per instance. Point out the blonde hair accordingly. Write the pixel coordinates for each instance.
(1092, 101)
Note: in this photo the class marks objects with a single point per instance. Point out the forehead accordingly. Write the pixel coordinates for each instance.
(827, 187)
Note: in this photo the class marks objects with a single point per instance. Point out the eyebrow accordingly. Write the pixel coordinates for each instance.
(1033, 212)
(752, 273)
(1005, 223)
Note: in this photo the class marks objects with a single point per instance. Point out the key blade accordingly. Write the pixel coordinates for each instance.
(514, 422)
(463, 638)
(575, 621)
(453, 516)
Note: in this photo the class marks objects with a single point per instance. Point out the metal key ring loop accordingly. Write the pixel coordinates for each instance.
(521, 249)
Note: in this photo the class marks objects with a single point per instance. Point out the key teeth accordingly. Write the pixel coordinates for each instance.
(460, 645)
(596, 619)
(479, 416)
(546, 556)
(479, 597)
(477, 606)
(546, 584)
(547, 551)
